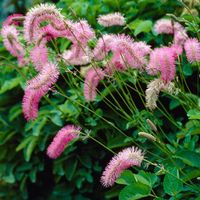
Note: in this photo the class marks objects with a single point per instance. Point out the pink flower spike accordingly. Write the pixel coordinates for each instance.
(112, 19)
(142, 47)
(103, 46)
(177, 49)
(39, 56)
(12, 43)
(30, 103)
(180, 37)
(164, 26)
(37, 88)
(77, 55)
(9, 21)
(61, 140)
(45, 79)
(192, 49)
(37, 15)
(125, 159)
(93, 76)
(162, 60)
(81, 33)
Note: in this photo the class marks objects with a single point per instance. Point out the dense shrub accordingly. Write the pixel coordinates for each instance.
(113, 117)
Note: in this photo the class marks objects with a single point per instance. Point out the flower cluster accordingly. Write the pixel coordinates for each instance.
(112, 53)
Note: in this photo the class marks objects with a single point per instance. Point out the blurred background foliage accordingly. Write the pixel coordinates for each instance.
(25, 170)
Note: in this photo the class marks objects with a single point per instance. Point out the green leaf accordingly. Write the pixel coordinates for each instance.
(5, 136)
(134, 191)
(24, 143)
(133, 25)
(174, 104)
(10, 84)
(56, 119)
(187, 70)
(70, 168)
(190, 158)
(193, 114)
(172, 185)
(29, 149)
(150, 178)
(126, 178)
(191, 174)
(38, 126)
(14, 112)
(86, 160)
(143, 27)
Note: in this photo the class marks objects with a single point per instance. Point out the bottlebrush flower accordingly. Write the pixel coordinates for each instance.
(103, 46)
(128, 157)
(10, 20)
(192, 48)
(126, 53)
(180, 37)
(37, 88)
(167, 26)
(164, 26)
(45, 79)
(30, 103)
(61, 140)
(177, 49)
(142, 48)
(77, 55)
(93, 76)
(37, 15)
(113, 19)
(80, 53)
(162, 60)
(39, 56)
(81, 33)
(153, 90)
(12, 44)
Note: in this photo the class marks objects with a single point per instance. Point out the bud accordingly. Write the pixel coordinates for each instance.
(147, 135)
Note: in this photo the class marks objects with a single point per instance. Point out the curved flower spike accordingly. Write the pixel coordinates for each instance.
(192, 48)
(37, 15)
(93, 76)
(10, 20)
(163, 60)
(112, 19)
(80, 53)
(125, 159)
(12, 44)
(61, 140)
(37, 88)
(39, 56)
